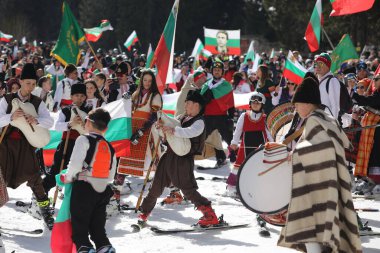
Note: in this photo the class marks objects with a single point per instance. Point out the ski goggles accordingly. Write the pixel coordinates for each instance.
(256, 99)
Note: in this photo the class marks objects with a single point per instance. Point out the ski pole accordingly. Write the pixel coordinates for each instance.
(61, 166)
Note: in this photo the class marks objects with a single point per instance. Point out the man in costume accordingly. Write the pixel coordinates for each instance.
(321, 215)
(220, 109)
(178, 170)
(18, 159)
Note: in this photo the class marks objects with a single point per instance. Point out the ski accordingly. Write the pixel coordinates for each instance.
(366, 209)
(369, 233)
(212, 179)
(354, 196)
(207, 168)
(31, 232)
(222, 226)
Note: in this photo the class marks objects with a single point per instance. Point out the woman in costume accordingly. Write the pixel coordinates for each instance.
(93, 94)
(265, 86)
(146, 101)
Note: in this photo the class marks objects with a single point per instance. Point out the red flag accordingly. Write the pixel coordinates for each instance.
(346, 7)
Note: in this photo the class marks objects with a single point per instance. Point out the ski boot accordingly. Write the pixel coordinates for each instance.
(106, 249)
(209, 217)
(364, 229)
(85, 249)
(141, 222)
(45, 211)
(263, 226)
(175, 197)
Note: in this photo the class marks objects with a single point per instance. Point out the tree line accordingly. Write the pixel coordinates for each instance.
(282, 21)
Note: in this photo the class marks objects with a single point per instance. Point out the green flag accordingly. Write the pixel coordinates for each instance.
(344, 51)
(71, 35)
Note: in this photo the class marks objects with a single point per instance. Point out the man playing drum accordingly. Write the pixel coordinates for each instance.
(18, 159)
(178, 170)
(321, 214)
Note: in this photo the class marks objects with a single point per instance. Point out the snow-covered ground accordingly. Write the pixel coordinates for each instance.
(118, 227)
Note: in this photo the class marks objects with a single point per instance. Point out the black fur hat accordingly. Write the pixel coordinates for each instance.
(307, 92)
(28, 72)
(78, 88)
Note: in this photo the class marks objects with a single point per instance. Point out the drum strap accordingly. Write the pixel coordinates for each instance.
(293, 136)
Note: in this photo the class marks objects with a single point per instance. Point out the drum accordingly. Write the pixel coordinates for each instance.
(264, 182)
(279, 120)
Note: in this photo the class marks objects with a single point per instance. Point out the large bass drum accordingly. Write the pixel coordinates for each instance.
(264, 186)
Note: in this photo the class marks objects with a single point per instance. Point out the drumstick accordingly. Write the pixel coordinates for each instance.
(274, 166)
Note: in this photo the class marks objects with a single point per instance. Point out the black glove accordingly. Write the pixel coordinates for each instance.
(230, 125)
(136, 136)
(231, 113)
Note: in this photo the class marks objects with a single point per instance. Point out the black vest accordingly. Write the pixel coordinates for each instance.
(67, 110)
(198, 142)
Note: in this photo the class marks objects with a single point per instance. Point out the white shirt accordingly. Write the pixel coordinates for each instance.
(192, 131)
(44, 119)
(332, 98)
(75, 165)
(239, 127)
(63, 90)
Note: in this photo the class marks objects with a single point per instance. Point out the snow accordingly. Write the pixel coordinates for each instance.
(172, 216)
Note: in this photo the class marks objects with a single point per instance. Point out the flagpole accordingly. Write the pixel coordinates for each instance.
(328, 38)
(92, 50)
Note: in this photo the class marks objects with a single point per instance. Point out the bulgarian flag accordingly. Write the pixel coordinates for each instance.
(217, 39)
(271, 54)
(197, 52)
(346, 7)
(197, 48)
(241, 101)
(163, 56)
(149, 57)
(250, 53)
(205, 54)
(293, 70)
(94, 34)
(5, 37)
(118, 133)
(61, 240)
(313, 30)
(132, 39)
(223, 97)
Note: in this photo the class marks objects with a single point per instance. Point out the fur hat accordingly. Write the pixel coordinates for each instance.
(78, 88)
(123, 68)
(307, 92)
(325, 58)
(28, 72)
(195, 96)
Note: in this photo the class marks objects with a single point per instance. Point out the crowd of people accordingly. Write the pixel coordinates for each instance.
(330, 103)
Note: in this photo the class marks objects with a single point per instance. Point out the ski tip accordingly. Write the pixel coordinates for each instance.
(135, 228)
(38, 231)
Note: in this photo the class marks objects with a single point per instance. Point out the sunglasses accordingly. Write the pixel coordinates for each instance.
(361, 87)
(289, 83)
(376, 79)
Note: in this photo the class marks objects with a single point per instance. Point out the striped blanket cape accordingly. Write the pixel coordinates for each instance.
(321, 209)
